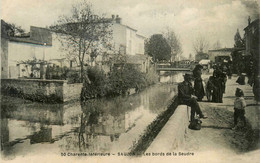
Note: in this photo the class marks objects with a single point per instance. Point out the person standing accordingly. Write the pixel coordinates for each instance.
(185, 95)
(217, 86)
(239, 107)
(198, 85)
(209, 88)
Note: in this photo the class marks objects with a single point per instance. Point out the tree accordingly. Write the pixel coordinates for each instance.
(216, 45)
(239, 42)
(17, 30)
(200, 45)
(11, 29)
(158, 48)
(83, 33)
(174, 42)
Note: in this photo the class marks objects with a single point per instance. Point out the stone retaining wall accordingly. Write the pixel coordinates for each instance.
(172, 134)
(55, 91)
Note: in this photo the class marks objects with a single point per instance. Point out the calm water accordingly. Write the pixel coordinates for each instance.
(100, 125)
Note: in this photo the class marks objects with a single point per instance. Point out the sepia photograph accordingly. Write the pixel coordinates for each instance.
(130, 81)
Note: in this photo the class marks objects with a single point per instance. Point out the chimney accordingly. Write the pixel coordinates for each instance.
(249, 20)
(118, 19)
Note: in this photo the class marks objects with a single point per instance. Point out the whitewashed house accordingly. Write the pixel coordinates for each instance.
(43, 44)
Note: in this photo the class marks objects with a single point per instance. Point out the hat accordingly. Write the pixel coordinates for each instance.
(188, 75)
(239, 92)
(199, 66)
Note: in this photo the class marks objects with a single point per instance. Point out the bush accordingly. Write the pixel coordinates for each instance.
(73, 76)
(98, 86)
(57, 72)
(125, 77)
(118, 82)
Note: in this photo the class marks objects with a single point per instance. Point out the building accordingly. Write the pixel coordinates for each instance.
(43, 45)
(126, 40)
(4, 49)
(252, 32)
(39, 44)
(219, 55)
(199, 56)
(252, 37)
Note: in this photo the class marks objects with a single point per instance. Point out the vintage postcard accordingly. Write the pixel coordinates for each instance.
(130, 81)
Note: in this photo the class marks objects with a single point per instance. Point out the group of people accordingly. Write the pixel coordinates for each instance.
(189, 95)
(216, 85)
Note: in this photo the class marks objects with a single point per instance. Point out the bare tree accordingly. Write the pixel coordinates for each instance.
(216, 45)
(200, 44)
(82, 34)
(174, 42)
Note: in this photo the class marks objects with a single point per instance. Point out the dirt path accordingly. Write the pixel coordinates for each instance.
(216, 133)
(217, 140)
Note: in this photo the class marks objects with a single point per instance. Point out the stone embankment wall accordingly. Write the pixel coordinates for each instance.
(54, 91)
(172, 135)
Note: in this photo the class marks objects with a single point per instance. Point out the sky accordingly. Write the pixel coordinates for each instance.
(215, 20)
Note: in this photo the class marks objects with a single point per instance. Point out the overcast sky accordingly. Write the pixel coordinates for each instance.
(213, 19)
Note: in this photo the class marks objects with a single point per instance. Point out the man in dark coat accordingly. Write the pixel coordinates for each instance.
(198, 85)
(185, 95)
(218, 86)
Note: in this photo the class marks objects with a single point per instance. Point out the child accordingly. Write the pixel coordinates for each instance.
(239, 107)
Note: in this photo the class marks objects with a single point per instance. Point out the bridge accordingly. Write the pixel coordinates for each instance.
(169, 67)
(172, 69)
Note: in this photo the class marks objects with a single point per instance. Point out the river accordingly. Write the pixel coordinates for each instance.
(107, 125)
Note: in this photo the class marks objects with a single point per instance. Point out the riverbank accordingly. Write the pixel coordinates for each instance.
(103, 124)
(216, 141)
(154, 129)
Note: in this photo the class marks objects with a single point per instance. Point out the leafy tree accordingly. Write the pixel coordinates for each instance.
(158, 48)
(82, 34)
(174, 42)
(239, 42)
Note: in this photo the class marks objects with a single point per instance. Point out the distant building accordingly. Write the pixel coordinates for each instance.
(200, 56)
(221, 54)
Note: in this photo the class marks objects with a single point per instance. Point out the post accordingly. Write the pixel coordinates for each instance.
(42, 65)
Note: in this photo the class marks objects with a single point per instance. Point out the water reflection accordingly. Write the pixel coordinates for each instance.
(171, 77)
(98, 125)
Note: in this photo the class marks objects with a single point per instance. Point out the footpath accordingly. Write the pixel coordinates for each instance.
(216, 141)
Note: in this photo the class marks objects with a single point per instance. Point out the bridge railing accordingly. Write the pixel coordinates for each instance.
(173, 66)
